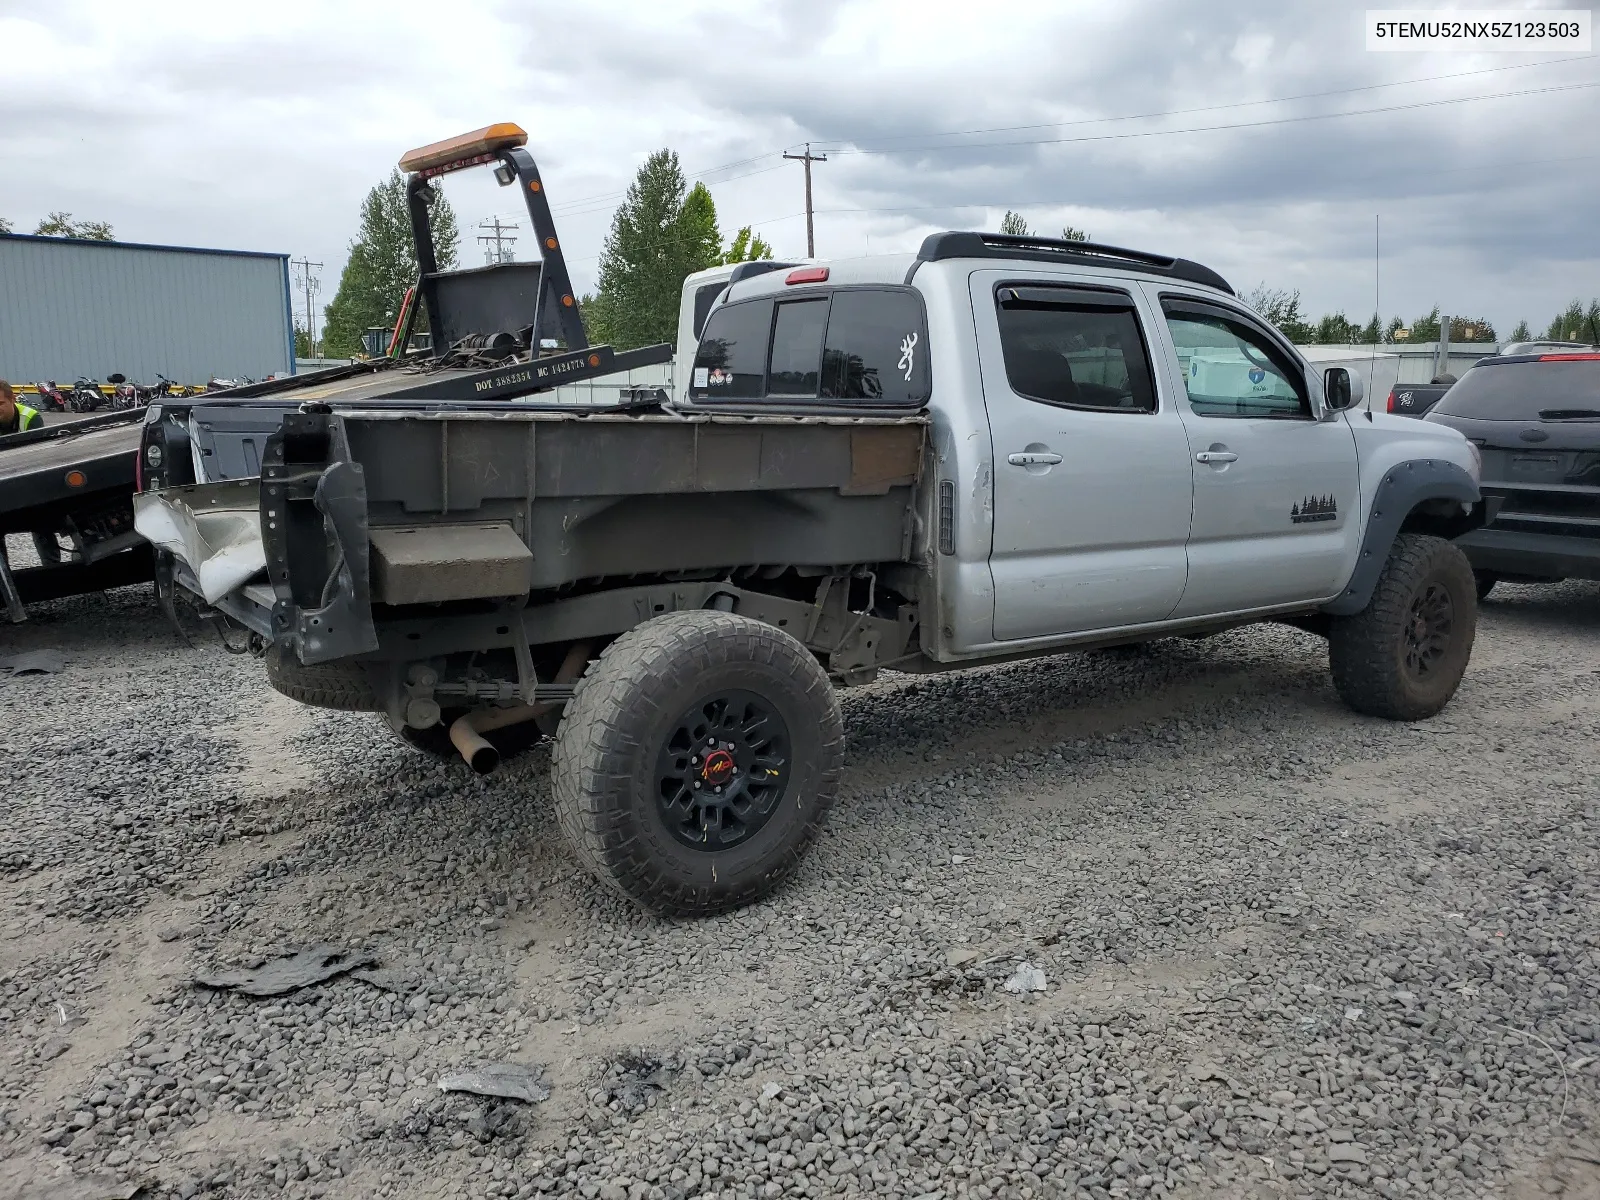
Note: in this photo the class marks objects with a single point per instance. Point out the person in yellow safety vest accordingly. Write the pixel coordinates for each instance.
(15, 416)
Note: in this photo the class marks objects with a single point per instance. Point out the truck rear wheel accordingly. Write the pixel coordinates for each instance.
(1403, 656)
(697, 760)
(341, 684)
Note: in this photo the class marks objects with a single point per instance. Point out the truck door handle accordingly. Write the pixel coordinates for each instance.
(1216, 456)
(1034, 458)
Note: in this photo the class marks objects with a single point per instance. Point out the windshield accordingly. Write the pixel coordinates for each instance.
(1523, 391)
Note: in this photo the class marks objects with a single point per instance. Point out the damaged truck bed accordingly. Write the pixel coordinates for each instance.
(392, 536)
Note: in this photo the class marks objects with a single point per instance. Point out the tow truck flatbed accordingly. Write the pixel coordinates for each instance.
(76, 477)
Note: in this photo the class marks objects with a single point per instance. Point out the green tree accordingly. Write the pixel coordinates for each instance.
(1426, 328)
(1577, 324)
(1522, 333)
(303, 345)
(5, 225)
(746, 247)
(1334, 329)
(1472, 329)
(1282, 309)
(1371, 333)
(661, 233)
(699, 220)
(61, 224)
(1391, 331)
(1565, 327)
(1071, 233)
(1013, 224)
(383, 264)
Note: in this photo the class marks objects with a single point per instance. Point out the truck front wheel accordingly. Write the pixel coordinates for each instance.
(1402, 657)
(697, 760)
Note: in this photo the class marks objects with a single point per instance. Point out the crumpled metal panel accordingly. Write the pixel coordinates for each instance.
(212, 528)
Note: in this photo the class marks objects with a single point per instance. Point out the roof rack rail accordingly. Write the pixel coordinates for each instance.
(971, 244)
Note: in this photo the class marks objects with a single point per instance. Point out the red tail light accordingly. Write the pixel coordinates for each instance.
(1391, 399)
(1569, 357)
(807, 275)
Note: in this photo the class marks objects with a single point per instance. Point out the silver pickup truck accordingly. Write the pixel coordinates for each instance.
(992, 448)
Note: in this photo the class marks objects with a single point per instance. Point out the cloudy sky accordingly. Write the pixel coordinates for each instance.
(1259, 137)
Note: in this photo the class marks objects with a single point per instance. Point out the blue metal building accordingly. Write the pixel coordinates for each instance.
(71, 308)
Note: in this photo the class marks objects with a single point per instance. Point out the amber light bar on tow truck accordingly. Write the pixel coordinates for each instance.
(465, 150)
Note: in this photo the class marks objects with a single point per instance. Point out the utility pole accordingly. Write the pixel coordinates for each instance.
(808, 158)
(312, 285)
(498, 253)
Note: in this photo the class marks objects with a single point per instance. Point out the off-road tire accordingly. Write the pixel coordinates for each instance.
(340, 684)
(509, 741)
(1367, 651)
(1485, 581)
(604, 766)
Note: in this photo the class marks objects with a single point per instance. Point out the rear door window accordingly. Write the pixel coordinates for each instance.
(732, 360)
(1075, 348)
(1523, 391)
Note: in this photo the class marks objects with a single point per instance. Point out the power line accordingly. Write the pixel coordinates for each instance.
(582, 205)
(1259, 124)
(1056, 201)
(808, 158)
(1181, 112)
(561, 209)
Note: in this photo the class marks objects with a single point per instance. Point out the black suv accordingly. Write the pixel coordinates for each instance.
(1535, 419)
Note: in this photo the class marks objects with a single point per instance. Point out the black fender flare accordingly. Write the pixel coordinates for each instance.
(1403, 487)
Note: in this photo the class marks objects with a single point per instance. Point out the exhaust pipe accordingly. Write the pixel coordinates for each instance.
(466, 733)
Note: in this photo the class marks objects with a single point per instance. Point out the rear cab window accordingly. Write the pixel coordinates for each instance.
(845, 346)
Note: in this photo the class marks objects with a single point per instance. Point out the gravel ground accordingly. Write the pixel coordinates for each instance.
(1287, 950)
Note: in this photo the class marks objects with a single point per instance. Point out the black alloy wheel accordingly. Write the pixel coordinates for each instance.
(723, 770)
(1428, 630)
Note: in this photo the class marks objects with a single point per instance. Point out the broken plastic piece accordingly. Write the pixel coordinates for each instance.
(511, 1081)
(1028, 978)
(34, 662)
(288, 973)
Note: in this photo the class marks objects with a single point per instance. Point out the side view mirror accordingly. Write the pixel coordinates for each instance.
(118, 378)
(1342, 389)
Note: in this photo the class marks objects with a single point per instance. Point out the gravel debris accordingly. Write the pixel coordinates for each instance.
(1289, 950)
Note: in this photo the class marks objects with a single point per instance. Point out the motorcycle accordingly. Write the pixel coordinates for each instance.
(166, 389)
(86, 396)
(51, 398)
(124, 395)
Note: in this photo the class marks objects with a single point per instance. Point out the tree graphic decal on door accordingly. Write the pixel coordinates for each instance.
(1315, 508)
